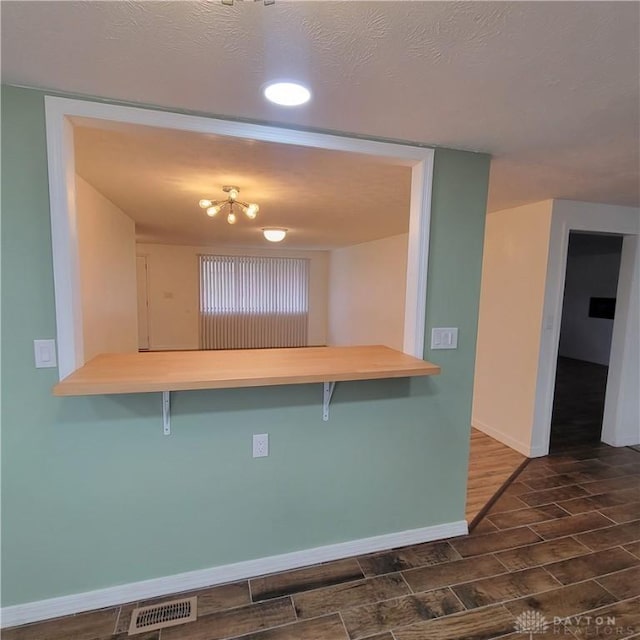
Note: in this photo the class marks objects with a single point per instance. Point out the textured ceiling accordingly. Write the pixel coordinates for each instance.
(326, 199)
(550, 89)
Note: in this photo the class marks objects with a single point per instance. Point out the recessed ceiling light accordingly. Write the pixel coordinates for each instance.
(287, 94)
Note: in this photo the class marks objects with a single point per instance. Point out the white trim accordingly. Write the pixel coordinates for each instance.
(417, 258)
(621, 418)
(623, 440)
(521, 447)
(173, 347)
(537, 452)
(58, 112)
(569, 216)
(134, 591)
(66, 274)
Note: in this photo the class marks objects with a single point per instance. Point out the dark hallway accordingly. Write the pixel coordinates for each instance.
(588, 308)
(578, 404)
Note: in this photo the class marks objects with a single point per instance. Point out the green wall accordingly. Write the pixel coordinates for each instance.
(93, 495)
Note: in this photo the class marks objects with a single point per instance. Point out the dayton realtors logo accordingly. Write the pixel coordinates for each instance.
(595, 626)
(531, 622)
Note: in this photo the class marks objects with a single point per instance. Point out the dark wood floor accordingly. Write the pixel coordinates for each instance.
(563, 541)
(578, 404)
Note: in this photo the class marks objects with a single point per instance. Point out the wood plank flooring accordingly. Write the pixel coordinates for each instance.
(491, 464)
(563, 542)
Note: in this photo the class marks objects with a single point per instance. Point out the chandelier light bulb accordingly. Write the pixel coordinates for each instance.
(231, 218)
(233, 194)
(205, 203)
(211, 211)
(274, 235)
(252, 211)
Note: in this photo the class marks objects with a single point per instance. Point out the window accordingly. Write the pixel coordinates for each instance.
(61, 113)
(251, 302)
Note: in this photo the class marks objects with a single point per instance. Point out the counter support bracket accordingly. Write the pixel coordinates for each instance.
(327, 394)
(166, 413)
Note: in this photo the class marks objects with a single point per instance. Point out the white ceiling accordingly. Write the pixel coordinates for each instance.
(326, 199)
(549, 88)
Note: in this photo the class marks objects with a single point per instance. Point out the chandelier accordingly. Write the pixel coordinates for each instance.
(214, 207)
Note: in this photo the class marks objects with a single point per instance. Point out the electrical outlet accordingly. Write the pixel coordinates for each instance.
(260, 445)
(44, 353)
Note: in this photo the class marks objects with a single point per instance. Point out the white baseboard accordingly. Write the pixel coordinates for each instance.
(623, 440)
(521, 447)
(172, 347)
(538, 452)
(111, 596)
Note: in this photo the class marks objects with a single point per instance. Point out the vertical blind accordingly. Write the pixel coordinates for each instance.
(249, 302)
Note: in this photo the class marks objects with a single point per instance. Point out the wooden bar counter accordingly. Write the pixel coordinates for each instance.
(183, 370)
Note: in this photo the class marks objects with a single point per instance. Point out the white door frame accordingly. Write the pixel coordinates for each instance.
(622, 408)
(59, 113)
(146, 301)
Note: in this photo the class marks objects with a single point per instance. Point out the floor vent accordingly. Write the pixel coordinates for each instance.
(165, 614)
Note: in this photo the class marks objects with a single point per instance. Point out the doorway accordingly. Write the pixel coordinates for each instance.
(143, 303)
(588, 311)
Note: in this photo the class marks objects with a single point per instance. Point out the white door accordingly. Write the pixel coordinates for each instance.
(143, 303)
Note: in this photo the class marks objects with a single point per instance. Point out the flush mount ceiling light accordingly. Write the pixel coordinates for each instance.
(274, 234)
(287, 94)
(214, 207)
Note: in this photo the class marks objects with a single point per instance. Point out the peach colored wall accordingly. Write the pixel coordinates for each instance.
(173, 291)
(514, 271)
(367, 287)
(107, 256)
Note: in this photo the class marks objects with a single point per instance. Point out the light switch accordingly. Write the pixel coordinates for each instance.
(45, 353)
(444, 338)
